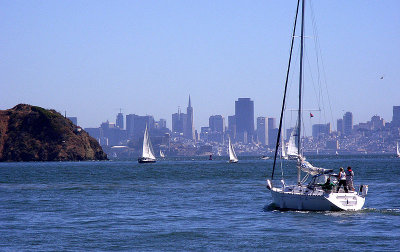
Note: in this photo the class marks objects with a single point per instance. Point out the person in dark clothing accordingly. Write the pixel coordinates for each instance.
(328, 186)
(349, 178)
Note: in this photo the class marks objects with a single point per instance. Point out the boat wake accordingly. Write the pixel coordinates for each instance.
(388, 211)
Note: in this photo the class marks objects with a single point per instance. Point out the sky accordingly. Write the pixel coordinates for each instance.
(93, 58)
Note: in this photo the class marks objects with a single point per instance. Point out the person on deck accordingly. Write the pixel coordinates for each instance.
(349, 178)
(342, 180)
(328, 186)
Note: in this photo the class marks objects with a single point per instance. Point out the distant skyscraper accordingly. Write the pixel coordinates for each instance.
(162, 124)
(189, 129)
(120, 121)
(319, 129)
(217, 123)
(130, 121)
(340, 126)
(348, 123)
(272, 131)
(244, 114)
(232, 127)
(262, 130)
(179, 121)
(136, 125)
(396, 116)
(377, 122)
(271, 123)
(140, 124)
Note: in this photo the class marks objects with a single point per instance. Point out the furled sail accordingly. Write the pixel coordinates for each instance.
(309, 168)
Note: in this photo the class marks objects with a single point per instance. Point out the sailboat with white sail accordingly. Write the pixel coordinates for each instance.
(293, 150)
(232, 155)
(318, 194)
(162, 155)
(148, 152)
(397, 150)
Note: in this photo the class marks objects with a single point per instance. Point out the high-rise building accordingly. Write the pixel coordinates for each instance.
(217, 128)
(272, 136)
(272, 131)
(189, 129)
(320, 129)
(162, 124)
(271, 123)
(136, 125)
(179, 121)
(244, 114)
(348, 123)
(232, 127)
(396, 116)
(340, 126)
(120, 121)
(262, 130)
(130, 121)
(217, 123)
(377, 122)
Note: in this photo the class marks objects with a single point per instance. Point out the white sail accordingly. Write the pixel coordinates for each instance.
(232, 155)
(397, 150)
(162, 154)
(147, 147)
(292, 150)
(310, 169)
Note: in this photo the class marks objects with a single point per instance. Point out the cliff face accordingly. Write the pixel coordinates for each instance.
(31, 133)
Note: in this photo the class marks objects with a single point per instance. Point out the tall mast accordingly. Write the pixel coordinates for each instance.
(284, 93)
(300, 89)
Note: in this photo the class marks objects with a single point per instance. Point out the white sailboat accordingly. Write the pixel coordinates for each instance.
(397, 150)
(232, 155)
(147, 153)
(162, 154)
(311, 196)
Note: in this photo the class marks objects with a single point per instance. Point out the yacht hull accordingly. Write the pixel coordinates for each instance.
(145, 160)
(316, 201)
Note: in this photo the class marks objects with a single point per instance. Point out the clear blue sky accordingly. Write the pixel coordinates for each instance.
(91, 58)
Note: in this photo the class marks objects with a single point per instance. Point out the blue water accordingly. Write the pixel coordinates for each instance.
(186, 204)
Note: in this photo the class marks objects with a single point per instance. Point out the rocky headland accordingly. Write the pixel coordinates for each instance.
(32, 133)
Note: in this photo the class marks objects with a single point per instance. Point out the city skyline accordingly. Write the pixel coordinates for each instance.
(344, 125)
(91, 59)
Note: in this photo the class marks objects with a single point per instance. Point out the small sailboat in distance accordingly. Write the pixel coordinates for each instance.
(162, 154)
(148, 152)
(397, 150)
(232, 155)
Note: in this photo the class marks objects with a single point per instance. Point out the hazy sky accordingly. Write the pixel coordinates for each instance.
(91, 58)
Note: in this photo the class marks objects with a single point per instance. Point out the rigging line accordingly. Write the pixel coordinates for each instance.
(322, 61)
(284, 94)
(318, 94)
(317, 54)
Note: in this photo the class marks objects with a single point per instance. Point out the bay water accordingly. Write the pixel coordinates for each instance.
(188, 204)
